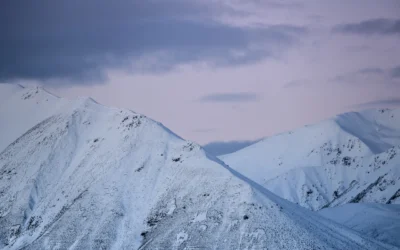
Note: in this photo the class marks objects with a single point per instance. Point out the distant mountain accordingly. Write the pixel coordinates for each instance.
(354, 157)
(226, 147)
(78, 175)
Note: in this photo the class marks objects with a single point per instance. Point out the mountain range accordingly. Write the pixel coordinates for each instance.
(75, 174)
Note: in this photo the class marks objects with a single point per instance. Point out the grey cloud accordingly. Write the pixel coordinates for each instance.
(356, 75)
(315, 18)
(76, 40)
(296, 83)
(371, 71)
(222, 147)
(342, 78)
(230, 97)
(381, 103)
(379, 26)
(357, 48)
(395, 72)
(288, 29)
(285, 5)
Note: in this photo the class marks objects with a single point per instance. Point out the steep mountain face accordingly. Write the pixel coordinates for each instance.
(78, 175)
(351, 158)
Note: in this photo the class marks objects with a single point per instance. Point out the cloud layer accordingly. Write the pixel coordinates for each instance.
(77, 40)
(230, 97)
(395, 72)
(392, 102)
(381, 26)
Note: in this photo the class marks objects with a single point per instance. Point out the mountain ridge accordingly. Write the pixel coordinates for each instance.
(315, 164)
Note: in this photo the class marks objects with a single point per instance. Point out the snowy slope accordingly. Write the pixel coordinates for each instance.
(378, 221)
(93, 177)
(360, 179)
(29, 107)
(353, 157)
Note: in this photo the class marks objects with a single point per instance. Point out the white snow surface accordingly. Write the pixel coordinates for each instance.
(354, 157)
(78, 175)
(378, 221)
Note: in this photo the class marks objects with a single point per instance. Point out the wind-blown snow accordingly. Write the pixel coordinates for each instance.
(79, 175)
(354, 157)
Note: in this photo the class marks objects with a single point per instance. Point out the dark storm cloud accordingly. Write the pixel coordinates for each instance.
(230, 97)
(379, 26)
(395, 72)
(74, 39)
(222, 148)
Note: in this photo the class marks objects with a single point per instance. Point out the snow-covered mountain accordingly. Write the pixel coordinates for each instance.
(78, 175)
(354, 157)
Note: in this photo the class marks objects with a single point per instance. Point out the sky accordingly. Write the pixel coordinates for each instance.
(225, 72)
